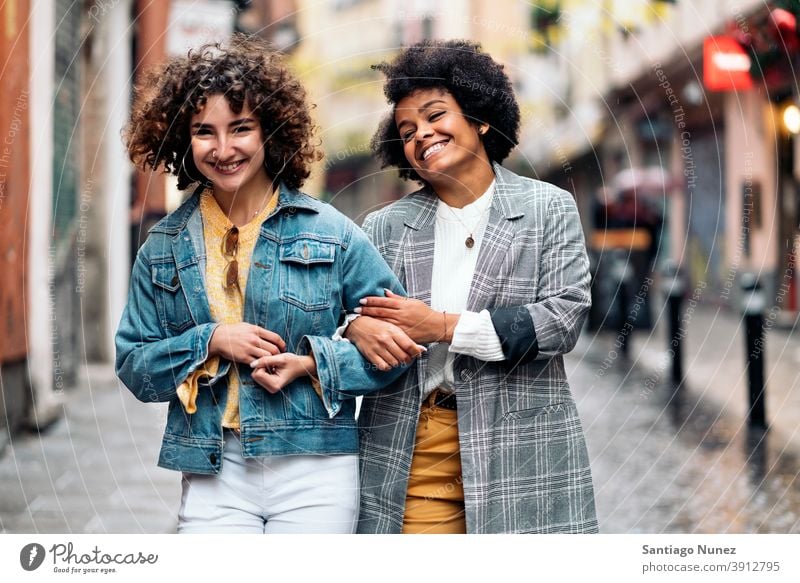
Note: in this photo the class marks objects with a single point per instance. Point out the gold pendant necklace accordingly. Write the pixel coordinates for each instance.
(469, 242)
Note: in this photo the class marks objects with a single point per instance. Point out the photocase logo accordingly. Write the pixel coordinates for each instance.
(31, 556)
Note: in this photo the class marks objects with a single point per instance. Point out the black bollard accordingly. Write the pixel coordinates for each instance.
(624, 334)
(675, 290)
(623, 274)
(753, 308)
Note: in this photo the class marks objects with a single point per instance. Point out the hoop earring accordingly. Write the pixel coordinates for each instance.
(205, 181)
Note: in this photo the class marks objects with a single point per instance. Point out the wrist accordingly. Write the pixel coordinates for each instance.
(309, 365)
(350, 332)
(213, 342)
(448, 326)
(436, 329)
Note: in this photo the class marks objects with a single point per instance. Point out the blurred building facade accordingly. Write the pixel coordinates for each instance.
(15, 175)
(66, 72)
(338, 41)
(625, 85)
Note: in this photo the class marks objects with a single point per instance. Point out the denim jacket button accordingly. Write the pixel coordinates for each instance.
(175, 280)
(213, 459)
(466, 374)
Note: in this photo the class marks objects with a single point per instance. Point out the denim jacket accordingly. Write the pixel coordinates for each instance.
(310, 265)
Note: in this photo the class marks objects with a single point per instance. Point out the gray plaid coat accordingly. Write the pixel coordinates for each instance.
(523, 454)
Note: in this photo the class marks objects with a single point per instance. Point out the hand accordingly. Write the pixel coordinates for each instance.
(414, 317)
(274, 372)
(383, 344)
(244, 342)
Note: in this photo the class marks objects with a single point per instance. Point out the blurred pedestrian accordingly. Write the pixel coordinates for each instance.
(235, 295)
(482, 435)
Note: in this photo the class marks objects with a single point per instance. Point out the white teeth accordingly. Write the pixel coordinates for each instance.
(228, 167)
(432, 150)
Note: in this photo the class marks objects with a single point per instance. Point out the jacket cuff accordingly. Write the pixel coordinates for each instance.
(326, 371)
(204, 333)
(514, 327)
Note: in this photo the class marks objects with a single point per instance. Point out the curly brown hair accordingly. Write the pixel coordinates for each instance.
(245, 70)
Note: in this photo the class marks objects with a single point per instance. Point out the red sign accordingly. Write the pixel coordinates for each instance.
(726, 65)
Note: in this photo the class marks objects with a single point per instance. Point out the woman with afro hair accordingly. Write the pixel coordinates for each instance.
(236, 294)
(482, 435)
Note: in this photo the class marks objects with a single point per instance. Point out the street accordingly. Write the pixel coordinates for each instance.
(667, 462)
(94, 470)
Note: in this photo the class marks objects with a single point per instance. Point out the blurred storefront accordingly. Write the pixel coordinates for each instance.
(56, 252)
(763, 152)
(668, 121)
(15, 126)
(706, 94)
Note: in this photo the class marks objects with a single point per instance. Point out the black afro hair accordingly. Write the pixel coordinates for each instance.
(477, 82)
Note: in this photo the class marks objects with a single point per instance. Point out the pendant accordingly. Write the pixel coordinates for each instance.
(470, 242)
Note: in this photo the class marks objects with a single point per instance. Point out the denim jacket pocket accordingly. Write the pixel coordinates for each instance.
(306, 271)
(171, 305)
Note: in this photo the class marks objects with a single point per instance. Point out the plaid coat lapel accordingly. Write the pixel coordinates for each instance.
(418, 254)
(418, 248)
(496, 239)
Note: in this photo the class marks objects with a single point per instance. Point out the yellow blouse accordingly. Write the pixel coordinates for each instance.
(227, 306)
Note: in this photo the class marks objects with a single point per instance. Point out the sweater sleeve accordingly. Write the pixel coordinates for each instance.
(475, 336)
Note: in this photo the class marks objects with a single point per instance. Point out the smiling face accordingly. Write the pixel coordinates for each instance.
(439, 142)
(228, 148)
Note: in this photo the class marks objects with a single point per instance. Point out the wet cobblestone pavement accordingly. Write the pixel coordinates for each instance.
(664, 462)
(94, 470)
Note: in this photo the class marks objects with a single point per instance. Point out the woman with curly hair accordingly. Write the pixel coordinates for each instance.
(482, 435)
(235, 296)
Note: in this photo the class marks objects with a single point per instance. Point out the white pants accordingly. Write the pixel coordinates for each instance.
(279, 494)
